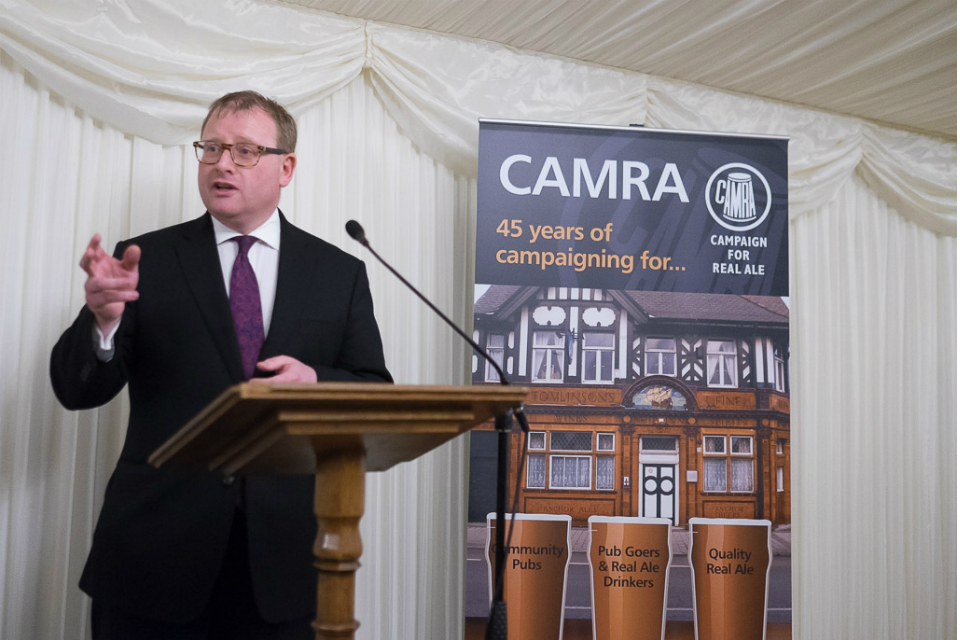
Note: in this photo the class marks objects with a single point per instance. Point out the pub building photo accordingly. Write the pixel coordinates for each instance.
(654, 404)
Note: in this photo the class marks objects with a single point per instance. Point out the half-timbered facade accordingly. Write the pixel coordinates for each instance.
(655, 404)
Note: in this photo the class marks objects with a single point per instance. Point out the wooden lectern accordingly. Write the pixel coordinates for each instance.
(336, 431)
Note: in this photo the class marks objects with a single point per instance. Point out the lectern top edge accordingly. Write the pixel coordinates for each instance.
(375, 390)
(241, 407)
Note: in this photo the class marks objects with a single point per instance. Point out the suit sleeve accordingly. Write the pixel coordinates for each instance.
(80, 379)
(361, 350)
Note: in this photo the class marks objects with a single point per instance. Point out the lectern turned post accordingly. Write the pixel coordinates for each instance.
(338, 505)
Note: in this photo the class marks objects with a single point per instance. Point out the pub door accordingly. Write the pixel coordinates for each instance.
(659, 467)
(659, 491)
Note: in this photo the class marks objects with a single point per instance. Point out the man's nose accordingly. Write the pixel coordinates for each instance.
(226, 162)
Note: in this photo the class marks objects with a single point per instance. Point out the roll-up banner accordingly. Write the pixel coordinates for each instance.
(637, 281)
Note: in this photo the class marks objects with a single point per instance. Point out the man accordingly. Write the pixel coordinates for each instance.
(180, 314)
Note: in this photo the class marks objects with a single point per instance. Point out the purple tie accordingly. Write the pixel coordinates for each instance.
(245, 306)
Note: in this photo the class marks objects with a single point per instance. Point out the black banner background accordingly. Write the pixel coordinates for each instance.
(686, 248)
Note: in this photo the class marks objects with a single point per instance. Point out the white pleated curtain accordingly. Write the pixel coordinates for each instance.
(98, 102)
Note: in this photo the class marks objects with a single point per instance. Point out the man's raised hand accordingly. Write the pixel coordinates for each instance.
(111, 283)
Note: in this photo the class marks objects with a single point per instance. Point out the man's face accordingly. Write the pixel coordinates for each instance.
(243, 198)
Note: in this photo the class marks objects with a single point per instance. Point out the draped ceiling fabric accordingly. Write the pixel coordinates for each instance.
(893, 61)
(99, 100)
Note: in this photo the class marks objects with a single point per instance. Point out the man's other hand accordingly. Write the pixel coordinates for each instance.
(286, 369)
(111, 283)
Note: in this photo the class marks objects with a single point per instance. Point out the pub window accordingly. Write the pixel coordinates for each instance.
(605, 442)
(661, 356)
(721, 363)
(598, 351)
(741, 445)
(714, 444)
(548, 356)
(779, 479)
(723, 468)
(780, 442)
(658, 444)
(571, 441)
(741, 464)
(537, 462)
(495, 344)
(571, 460)
(780, 369)
(537, 441)
(715, 475)
(605, 471)
(714, 468)
(741, 475)
(536, 471)
(569, 472)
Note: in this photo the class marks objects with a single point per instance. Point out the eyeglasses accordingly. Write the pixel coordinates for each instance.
(244, 154)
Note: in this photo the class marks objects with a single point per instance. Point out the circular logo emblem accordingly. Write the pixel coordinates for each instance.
(738, 197)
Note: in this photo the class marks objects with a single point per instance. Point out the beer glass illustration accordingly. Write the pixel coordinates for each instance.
(730, 560)
(738, 203)
(535, 578)
(630, 569)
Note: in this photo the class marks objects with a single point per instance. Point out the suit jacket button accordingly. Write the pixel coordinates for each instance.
(85, 372)
(228, 480)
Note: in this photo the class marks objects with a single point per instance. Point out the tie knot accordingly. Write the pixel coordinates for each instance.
(245, 242)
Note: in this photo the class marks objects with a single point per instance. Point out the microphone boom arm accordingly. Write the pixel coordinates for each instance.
(356, 232)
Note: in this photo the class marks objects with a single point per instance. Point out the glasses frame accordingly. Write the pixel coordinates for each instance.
(200, 144)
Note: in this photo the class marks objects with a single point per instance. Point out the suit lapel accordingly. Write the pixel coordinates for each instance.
(293, 284)
(200, 262)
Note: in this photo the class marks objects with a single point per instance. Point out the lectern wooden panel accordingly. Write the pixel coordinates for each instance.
(337, 432)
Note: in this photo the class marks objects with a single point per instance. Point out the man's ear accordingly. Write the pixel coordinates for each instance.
(287, 165)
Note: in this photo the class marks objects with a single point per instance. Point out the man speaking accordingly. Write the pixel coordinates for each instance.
(180, 314)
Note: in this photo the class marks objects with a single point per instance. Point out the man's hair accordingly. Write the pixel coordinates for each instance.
(247, 100)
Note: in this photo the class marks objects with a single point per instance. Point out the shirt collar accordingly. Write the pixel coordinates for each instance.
(267, 233)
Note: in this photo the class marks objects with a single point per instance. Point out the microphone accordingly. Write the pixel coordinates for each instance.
(497, 623)
(356, 232)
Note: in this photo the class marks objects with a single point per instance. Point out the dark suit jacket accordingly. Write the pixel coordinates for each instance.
(162, 533)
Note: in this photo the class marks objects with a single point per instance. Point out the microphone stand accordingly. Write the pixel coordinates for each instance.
(497, 621)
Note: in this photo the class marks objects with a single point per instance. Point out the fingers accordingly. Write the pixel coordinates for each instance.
(275, 363)
(92, 253)
(286, 369)
(96, 285)
(110, 283)
(106, 273)
(104, 289)
(107, 302)
(131, 258)
(281, 370)
(98, 299)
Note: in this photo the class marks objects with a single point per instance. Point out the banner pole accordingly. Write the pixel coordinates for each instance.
(497, 622)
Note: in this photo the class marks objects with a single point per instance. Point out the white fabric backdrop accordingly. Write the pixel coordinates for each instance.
(873, 349)
(54, 464)
(90, 94)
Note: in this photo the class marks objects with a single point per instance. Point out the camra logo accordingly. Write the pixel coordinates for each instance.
(738, 196)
